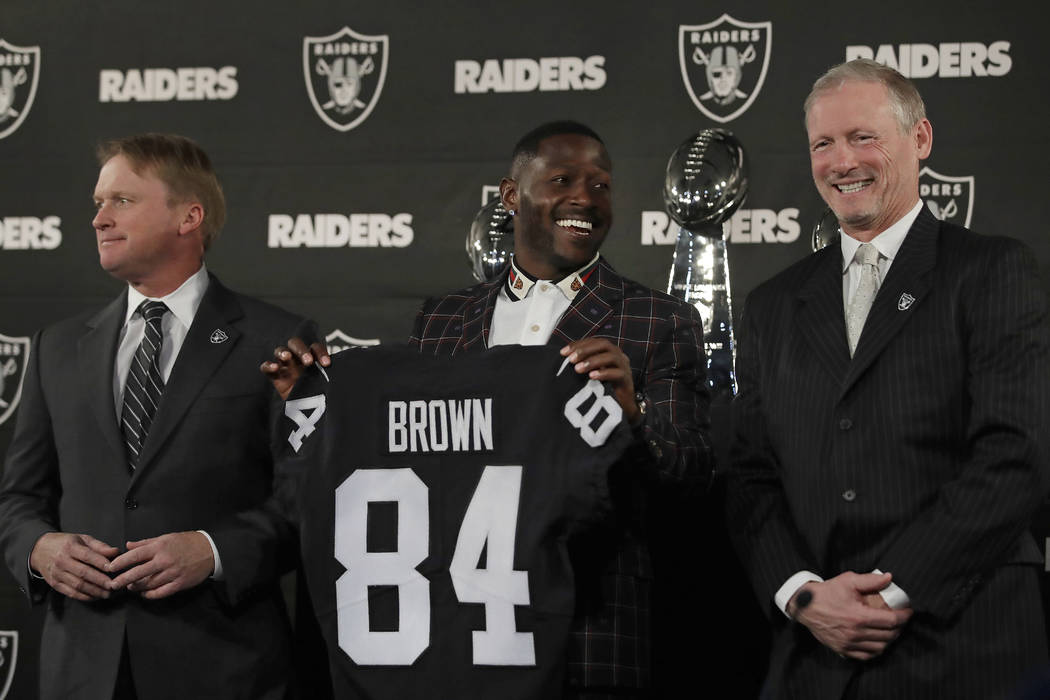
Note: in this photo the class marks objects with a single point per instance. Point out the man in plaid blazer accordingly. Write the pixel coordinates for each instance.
(646, 345)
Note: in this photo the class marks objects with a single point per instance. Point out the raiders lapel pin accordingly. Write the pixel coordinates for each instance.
(905, 301)
(218, 336)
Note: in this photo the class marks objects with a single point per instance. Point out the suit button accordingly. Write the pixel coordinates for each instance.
(845, 424)
(849, 495)
(131, 503)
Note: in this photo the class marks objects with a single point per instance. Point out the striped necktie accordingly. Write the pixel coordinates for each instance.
(144, 384)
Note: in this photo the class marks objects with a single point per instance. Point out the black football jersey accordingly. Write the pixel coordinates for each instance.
(434, 497)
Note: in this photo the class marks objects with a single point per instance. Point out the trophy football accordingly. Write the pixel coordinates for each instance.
(825, 231)
(490, 241)
(707, 180)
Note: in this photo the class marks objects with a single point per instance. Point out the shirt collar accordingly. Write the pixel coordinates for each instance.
(519, 283)
(182, 303)
(887, 243)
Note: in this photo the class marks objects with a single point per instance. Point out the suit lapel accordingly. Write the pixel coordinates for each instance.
(900, 295)
(821, 320)
(592, 305)
(96, 351)
(199, 358)
(477, 317)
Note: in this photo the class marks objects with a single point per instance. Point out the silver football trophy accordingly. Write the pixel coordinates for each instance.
(826, 230)
(707, 180)
(490, 241)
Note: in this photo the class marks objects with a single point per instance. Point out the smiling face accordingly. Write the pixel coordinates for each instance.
(144, 238)
(563, 205)
(864, 165)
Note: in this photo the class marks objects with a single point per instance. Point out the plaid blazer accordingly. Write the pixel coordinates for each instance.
(663, 339)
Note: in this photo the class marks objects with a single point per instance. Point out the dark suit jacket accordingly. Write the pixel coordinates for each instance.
(662, 338)
(206, 465)
(924, 456)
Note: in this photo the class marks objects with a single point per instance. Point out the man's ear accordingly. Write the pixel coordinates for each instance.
(508, 193)
(923, 138)
(193, 217)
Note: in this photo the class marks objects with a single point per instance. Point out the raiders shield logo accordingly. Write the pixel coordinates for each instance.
(724, 64)
(949, 198)
(19, 73)
(338, 341)
(344, 75)
(8, 660)
(14, 352)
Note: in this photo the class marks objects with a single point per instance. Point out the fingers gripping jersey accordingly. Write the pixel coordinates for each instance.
(435, 497)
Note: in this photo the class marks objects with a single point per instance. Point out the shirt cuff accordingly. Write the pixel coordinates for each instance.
(894, 595)
(216, 575)
(32, 574)
(791, 586)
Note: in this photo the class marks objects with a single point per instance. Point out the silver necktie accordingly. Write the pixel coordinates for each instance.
(867, 257)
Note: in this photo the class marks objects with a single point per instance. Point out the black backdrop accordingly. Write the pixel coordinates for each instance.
(354, 217)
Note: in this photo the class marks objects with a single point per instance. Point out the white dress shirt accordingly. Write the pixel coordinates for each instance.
(183, 304)
(527, 310)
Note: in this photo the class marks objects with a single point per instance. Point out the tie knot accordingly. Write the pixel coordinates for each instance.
(866, 254)
(152, 311)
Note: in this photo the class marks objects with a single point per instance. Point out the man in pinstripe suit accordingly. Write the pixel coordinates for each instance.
(892, 417)
(646, 345)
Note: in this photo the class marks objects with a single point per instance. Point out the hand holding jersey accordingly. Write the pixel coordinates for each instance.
(601, 360)
(289, 362)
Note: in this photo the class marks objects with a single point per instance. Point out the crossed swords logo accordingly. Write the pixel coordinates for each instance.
(950, 209)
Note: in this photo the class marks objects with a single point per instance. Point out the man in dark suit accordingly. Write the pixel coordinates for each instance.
(647, 345)
(890, 428)
(133, 499)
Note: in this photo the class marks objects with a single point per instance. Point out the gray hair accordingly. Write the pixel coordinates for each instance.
(905, 100)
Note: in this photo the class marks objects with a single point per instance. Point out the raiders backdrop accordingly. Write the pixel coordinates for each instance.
(356, 141)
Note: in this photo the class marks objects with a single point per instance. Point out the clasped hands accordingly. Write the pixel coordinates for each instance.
(80, 566)
(599, 358)
(847, 614)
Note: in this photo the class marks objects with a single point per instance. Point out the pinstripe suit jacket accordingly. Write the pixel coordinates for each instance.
(924, 456)
(662, 338)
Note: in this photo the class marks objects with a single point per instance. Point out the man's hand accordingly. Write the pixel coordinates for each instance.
(164, 565)
(290, 361)
(73, 565)
(845, 616)
(604, 361)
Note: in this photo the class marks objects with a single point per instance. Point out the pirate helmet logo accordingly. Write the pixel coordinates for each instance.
(344, 75)
(18, 82)
(724, 64)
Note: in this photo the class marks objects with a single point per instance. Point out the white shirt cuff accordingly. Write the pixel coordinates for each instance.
(216, 575)
(32, 573)
(894, 595)
(791, 586)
